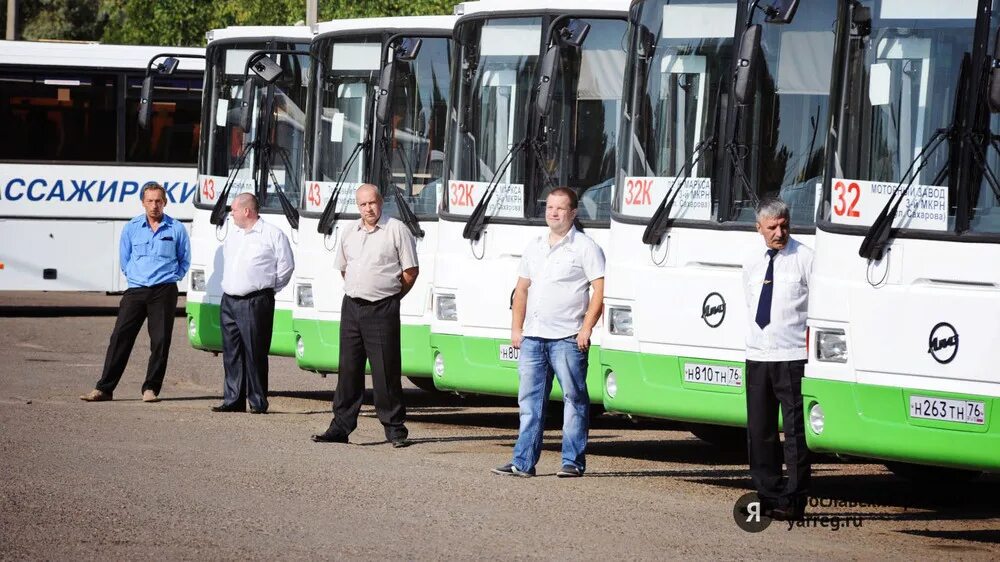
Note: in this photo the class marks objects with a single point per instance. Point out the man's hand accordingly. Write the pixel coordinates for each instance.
(516, 337)
(583, 339)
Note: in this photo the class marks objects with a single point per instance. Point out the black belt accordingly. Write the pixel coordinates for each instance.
(260, 293)
(365, 302)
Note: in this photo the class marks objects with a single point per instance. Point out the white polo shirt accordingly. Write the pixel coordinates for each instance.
(560, 278)
(256, 258)
(784, 339)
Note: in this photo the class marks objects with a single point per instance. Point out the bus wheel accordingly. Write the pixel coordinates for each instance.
(721, 435)
(424, 383)
(936, 475)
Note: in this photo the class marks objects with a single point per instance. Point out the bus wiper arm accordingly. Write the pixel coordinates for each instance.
(290, 212)
(875, 241)
(660, 221)
(732, 149)
(406, 214)
(329, 216)
(477, 220)
(218, 216)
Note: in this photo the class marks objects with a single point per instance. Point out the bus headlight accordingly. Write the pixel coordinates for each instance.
(445, 308)
(611, 384)
(192, 328)
(620, 320)
(300, 347)
(831, 345)
(198, 280)
(438, 365)
(817, 419)
(304, 295)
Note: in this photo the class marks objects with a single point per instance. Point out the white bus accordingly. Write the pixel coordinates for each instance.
(504, 155)
(73, 158)
(905, 297)
(348, 144)
(257, 147)
(699, 150)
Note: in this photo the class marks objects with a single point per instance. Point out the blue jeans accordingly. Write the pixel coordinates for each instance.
(541, 358)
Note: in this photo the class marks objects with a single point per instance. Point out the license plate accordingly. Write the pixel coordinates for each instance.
(962, 411)
(720, 375)
(509, 353)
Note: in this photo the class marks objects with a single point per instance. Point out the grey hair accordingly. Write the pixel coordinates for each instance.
(773, 208)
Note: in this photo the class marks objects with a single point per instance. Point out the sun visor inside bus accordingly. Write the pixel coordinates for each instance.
(601, 77)
(510, 40)
(236, 61)
(699, 21)
(929, 9)
(356, 56)
(801, 54)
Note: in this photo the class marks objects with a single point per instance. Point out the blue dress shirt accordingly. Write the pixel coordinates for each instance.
(150, 258)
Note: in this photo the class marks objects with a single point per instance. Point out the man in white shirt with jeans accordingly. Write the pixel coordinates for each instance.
(776, 284)
(553, 317)
(257, 263)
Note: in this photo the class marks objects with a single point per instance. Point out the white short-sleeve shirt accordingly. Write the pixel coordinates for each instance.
(784, 339)
(560, 278)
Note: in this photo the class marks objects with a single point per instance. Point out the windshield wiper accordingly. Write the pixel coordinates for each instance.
(218, 216)
(875, 241)
(406, 214)
(477, 220)
(329, 216)
(660, 221)
(290, 212)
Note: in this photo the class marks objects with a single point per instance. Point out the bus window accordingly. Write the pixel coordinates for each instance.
(172, 136)
(58, 116)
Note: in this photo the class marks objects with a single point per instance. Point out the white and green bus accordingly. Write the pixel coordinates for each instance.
(73, 157)
(535, 104)
(376, 114)
(253, 140)
(905, 296)
(726, 103)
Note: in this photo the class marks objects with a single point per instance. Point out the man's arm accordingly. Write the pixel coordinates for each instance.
(125, 249)
(183, 251)
(594, 310)
(285, 262)
(518, 311)
(408, 278)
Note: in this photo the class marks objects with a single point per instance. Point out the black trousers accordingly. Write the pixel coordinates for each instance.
(158, 304)
(768, 385)
(246, 340)
(369, 331)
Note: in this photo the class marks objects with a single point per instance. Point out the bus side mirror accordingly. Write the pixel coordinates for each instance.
(384, 93)
(168, 66)
(783, 11)
(246, 114)
(995, 75)
(408, 49)
(746, 65)
(546, 87)
(145, 102)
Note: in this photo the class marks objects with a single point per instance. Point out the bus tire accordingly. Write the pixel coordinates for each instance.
(721, 435)
(424, 383)
(923, 473)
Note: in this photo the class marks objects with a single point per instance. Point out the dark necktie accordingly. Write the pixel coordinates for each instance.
(764, 304)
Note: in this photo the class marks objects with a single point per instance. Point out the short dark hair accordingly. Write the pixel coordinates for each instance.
(574, 200)
(155, 187)
(254, 203)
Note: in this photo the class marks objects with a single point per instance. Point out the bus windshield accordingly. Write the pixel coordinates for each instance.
(681, 69)
(909, 79)
(346, 79)
(232, 151)
(418, 112)
(779, 148)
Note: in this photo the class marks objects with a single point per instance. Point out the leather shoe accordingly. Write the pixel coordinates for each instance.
(330, 437)
(96, 396)
(787, 514)
(229, 408)
(252, 411)
(400, 443)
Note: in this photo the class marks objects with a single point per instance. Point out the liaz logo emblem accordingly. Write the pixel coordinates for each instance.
(713, 310)
(942, 344)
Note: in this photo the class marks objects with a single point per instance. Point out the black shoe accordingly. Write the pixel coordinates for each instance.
(330, 437)
(569, 471)
(229, 408)
(252, 411)
(401, 442)
(510, 470)
(789, 513)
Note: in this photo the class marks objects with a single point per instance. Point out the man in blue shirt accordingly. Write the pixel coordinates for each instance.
(155, 254)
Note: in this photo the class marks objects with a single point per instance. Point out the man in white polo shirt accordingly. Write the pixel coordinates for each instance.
(776, 285)
(554, 314)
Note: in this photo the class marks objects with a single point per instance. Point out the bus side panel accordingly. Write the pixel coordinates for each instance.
(77, 255)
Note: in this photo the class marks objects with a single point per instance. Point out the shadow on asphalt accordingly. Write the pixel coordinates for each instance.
(44, 311)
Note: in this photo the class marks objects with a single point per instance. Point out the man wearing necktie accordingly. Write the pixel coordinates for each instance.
(776, 284)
